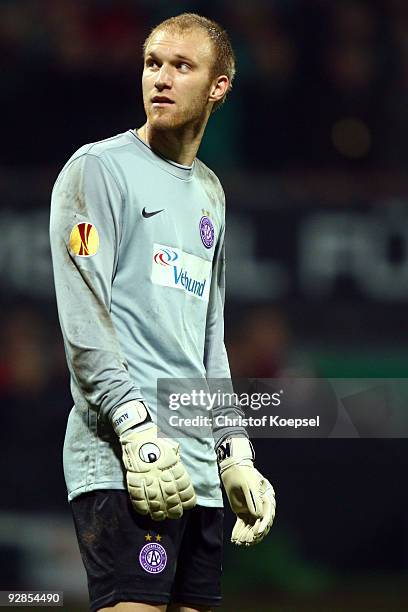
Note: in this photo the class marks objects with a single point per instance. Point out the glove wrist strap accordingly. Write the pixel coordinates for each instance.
(234, 451)
(130, 415)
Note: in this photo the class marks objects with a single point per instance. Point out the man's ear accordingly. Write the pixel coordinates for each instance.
(219, 88)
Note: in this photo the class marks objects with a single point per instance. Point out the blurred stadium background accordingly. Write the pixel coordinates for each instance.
(312, 149)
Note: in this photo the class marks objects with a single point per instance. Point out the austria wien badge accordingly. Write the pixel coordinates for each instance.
(153, 556)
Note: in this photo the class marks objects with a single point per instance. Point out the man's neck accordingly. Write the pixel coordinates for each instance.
(180, 146)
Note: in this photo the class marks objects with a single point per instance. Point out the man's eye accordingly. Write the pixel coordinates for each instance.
(151, 63)
(183, 66)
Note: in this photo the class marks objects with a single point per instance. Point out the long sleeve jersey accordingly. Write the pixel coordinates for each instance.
(137, 245)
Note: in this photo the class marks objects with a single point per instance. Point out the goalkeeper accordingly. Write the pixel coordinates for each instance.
(137, 237)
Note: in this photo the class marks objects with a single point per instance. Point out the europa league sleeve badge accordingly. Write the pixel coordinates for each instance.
(84, 240)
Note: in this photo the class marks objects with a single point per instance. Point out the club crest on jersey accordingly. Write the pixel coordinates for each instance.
(153, 558)
(207, 232)
(84, 240)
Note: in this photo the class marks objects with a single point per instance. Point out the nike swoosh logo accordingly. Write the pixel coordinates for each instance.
(146, 214)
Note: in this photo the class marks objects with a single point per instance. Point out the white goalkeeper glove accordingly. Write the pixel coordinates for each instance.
(251, 496)
(157, 481)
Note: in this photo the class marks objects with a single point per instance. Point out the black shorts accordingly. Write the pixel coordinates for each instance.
(130, 557)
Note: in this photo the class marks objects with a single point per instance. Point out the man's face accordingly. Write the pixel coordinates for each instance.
(177, 78)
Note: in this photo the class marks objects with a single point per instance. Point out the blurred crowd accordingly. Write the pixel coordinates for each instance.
(319, 82)
(35, 396)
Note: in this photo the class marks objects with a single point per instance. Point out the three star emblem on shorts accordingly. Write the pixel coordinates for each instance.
(149, 537)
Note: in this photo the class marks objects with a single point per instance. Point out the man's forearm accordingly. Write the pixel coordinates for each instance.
(87, 199)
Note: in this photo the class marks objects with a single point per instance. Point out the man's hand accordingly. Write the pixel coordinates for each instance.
(157, 481)
(251, 496)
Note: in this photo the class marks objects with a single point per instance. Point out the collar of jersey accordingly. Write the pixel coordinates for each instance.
(182, 172)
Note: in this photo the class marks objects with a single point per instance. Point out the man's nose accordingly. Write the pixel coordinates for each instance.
(163, 79)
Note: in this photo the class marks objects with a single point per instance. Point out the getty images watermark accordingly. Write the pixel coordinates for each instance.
(284, 407)
(214, 402)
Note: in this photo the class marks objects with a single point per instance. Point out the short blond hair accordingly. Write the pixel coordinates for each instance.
(224, 60)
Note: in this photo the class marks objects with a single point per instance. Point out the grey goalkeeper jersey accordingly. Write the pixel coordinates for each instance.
(140, 297)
